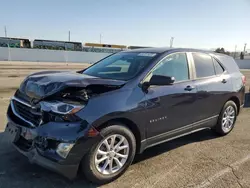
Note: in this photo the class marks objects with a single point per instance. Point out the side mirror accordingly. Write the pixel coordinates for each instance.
(158, 80)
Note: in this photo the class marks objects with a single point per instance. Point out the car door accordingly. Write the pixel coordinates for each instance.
(213, 85)
(173, 106)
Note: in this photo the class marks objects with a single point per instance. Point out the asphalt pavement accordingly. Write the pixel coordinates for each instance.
(198, 160)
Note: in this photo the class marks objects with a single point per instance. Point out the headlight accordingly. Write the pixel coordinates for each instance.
(63, 149)
(60, 107)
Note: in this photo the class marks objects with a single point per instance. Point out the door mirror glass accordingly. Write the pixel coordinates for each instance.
(160, 80)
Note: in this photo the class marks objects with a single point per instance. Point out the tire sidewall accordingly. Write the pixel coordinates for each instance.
(219, 124)
(89, 168)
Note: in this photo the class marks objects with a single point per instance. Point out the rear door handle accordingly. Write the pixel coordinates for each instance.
(224, 81)
(189, 88)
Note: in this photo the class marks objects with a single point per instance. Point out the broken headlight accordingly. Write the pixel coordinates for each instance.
(60, 107)
(60, 111)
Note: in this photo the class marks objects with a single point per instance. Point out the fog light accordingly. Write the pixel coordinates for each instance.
(63, 149)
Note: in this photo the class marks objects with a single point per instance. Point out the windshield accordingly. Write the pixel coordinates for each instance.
(120, 66)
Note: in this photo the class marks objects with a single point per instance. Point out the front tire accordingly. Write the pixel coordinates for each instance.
(109, 159)
(227, 118)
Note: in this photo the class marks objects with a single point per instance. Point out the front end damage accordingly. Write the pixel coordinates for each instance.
(43, 120)
(59, 147)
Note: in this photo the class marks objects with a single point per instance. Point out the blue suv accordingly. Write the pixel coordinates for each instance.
(97, 119)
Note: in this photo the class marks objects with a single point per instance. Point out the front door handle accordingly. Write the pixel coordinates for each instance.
(189, 88)
(224, 81)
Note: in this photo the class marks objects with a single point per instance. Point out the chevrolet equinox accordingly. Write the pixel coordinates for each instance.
(96, 120)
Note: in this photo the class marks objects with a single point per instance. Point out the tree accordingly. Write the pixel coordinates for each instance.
(222, 51)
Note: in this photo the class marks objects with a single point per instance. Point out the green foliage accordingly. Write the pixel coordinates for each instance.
(222, 51)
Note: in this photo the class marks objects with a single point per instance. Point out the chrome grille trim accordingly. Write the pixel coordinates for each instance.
(15, 112)
(24, 103)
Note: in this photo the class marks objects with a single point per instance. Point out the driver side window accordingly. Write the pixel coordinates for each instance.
(174, 65)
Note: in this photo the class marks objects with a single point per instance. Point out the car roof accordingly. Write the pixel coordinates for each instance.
(167, 49)
(163, 50)
(152, 50)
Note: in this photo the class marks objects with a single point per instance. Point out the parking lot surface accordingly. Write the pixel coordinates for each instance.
(198, 160)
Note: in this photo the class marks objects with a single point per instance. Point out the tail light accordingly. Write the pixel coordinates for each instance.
(244, 80)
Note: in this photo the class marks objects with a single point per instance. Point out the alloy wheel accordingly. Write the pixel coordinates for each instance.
(228, 119)
(111, 154)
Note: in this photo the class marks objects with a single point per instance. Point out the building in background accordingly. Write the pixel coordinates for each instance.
(137, 47)
(57, 45)
(14, 42)
(105, 45)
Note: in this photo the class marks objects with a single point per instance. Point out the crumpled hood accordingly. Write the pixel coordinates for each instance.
(43, 84)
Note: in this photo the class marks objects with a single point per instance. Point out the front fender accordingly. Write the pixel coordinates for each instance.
(118, 104)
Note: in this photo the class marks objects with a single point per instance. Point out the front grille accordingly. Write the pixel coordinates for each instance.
(27, 113)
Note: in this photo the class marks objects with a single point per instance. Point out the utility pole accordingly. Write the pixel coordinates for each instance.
(235, 51)
(6, 35)
(171, 42)
(5, 31)
(245, 45)
(69, 36)
(100, 38)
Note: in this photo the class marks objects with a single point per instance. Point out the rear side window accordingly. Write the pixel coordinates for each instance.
(203, 65)
(228, 62)
(218, 68)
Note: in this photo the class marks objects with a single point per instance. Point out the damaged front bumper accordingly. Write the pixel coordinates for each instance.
(69, 171)
(40, 144)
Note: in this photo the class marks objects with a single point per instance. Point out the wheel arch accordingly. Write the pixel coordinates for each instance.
(236, 100)
(129, 124)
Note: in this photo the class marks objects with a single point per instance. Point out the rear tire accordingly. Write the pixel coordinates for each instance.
(227, 118)
(116, 152)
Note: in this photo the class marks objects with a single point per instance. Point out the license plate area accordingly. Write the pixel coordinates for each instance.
(13, 132)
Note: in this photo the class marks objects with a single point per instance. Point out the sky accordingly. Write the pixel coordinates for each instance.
(205, 24)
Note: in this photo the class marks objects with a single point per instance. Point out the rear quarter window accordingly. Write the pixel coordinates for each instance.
(217, 67)
(229, 63)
